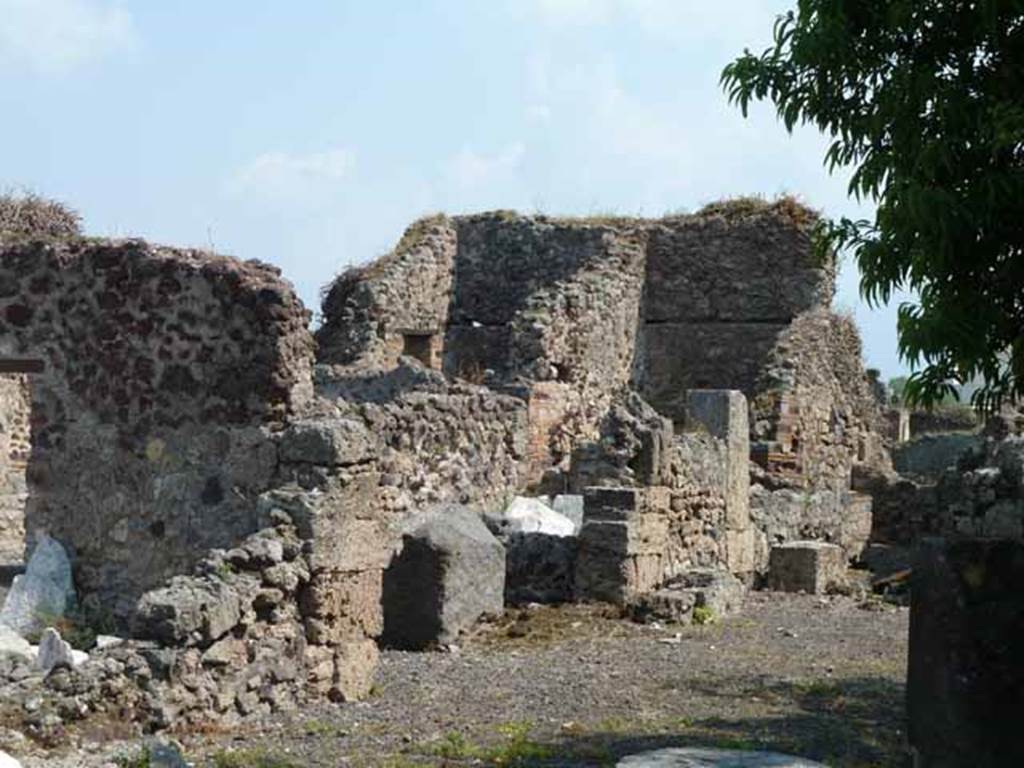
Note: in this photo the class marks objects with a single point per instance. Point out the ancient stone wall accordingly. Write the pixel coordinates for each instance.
(568, 315)
(396, 305)
(815, 404)
(678, 502)
(545, 300)
(720, 289)
(663, 306)
(15, 446)
(163, 372)
(438, 441)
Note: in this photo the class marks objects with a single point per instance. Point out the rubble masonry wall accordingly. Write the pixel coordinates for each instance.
(164, 373)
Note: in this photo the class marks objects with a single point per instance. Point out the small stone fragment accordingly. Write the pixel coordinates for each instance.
(54, 652)
(703, 757)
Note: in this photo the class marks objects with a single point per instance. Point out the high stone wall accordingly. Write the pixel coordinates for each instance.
(163, 373)
(720, 290)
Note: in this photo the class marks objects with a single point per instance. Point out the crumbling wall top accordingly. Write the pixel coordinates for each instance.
(144, 335)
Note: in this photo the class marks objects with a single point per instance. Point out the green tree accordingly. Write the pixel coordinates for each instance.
(924, 101)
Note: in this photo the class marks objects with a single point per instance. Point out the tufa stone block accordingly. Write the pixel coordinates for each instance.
(449, 572)
(724, 414)
(805, 566)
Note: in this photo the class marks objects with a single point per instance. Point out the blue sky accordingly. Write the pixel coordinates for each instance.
(308, 134)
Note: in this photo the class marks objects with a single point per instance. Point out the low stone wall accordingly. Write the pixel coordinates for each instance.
(786, 515)
(981, 496)
(437, 441)
(943, 419)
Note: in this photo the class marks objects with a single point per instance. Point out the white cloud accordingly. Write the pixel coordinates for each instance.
(285, 173)
(54, 36)
(470, 168)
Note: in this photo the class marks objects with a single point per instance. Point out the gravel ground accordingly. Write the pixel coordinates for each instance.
(577, 686)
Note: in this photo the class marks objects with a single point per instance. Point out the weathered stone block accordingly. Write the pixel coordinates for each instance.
(707, 757)
(187, 611)
(343, 522)
(724, 414)
(343, 606)
(855, 528)
(965, 683)
(805, 566)
(355, 663)
(570, 505)
(327, 442)
(645, 535)
(623, 504)
(718, 591)
(449, 571)
(741, 551)
(614, 577)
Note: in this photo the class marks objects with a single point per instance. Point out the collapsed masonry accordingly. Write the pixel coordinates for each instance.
(232, 496)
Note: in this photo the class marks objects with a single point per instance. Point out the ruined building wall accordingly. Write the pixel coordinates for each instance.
(815, 402)
(721, 288)
(438, 441)
(15, 444)
(552, 304)
(545, 300)
(396, 305)
(815, 419)
(568, 315)
(668, 503)
(164, 372)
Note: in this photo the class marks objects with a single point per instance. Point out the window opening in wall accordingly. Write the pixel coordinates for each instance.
(419, 346)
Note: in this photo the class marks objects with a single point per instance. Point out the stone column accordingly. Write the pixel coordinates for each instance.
(965, 682)
(723, 413)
